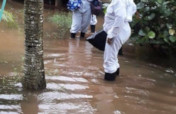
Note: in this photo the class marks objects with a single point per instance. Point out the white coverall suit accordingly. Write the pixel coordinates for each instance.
(81, 18)
(119, 14)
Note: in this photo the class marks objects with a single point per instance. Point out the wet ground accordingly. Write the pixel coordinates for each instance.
(75, 84)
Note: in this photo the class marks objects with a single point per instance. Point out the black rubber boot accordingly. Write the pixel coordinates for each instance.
(120, 51)
(92, 27)
(82, 35)
(110, 76)
(118, 72)
(73, 35)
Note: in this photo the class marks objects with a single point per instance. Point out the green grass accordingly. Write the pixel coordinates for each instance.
(9, 19)
(63, 22)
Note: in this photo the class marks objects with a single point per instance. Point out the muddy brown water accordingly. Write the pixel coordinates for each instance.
(75, 84)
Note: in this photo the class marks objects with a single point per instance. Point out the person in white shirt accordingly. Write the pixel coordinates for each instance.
(81, 19)
(116, 25)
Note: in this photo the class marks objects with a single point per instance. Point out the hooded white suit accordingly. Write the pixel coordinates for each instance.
(81, 18)
(119, 14)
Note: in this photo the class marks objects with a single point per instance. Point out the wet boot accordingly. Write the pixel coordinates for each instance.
(73, 35)
(110, 76)
(120, 52)
(118, 72)
(92, 27)
(82, 35)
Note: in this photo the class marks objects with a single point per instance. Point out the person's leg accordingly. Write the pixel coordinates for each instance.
(92, 28)
(93, 23)
(76, 23)
(85, 23)
(111, 65)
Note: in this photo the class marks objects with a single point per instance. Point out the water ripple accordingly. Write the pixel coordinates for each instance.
(82, 107)
(51, 96)
(11, 96)
(9, 107)
(67, 79)
(72, 87)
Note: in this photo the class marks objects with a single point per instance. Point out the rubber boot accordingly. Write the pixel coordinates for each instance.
(118, 72)
(73, 35)
(92, 27)
(120, 51)
(82, 35)
(110, 76)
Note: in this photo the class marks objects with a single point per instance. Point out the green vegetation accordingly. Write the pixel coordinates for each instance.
(105, 5)
(155, 23)
(9, 19)
(63, 22)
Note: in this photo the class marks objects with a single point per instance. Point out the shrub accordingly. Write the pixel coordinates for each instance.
(9, 19)
(155, 23)
(63, 22)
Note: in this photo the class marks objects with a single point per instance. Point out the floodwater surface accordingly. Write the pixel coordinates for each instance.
(75, 84)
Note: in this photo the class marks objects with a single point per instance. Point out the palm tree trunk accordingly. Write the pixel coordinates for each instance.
(34, 75)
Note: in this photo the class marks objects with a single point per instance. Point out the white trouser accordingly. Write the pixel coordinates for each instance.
(93, 20)
(111, 63)
(80, 21)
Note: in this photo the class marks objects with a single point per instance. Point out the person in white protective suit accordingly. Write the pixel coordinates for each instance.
(81, 19)
(93, 22)
(116, 24)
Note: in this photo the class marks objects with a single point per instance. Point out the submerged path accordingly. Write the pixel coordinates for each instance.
(75, 85)
(75, 80)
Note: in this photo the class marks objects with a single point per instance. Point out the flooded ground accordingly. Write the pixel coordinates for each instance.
(75, 84)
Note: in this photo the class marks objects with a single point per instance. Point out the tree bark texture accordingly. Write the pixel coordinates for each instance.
(34, 74)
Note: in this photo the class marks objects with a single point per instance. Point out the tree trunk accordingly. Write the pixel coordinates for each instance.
(34, 75)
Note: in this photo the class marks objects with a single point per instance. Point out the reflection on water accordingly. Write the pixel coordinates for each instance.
(67, 79)
(75, 84)
(65, 108)
(11, 97)
(52, 96)
(71, 87)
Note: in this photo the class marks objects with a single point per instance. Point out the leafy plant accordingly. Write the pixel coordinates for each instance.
(155, 23)
(63, 21)
(105, 5)
(9, 19)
